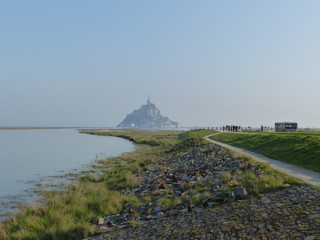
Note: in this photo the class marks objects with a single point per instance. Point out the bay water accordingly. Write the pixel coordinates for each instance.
(34, 157)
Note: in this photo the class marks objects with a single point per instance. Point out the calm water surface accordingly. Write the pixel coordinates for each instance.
(32, 156)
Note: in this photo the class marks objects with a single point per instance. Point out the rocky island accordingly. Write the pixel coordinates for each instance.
(148, 116)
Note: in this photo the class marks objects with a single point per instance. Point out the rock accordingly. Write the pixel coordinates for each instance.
(237, 165)
(163, 186)
(157, 209)
(229, 200)
(124, 224)
(101, 221)
(111, 217)
(129, 210)
(212, 204)
(310, 238)
(184, 210)
(184, 178)
(172, 213)
(240, 191)
(199, 179)
(159, 215)
(105, 229)
(197, 210)
(175, 177)
(262, 231)
(110, 224)
(314, 216)
(150, 217)
(136, 190)
(206, 200)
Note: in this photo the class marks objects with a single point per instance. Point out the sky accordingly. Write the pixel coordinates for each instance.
(203, 63)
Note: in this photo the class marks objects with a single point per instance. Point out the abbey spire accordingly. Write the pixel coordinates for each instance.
(148, 101)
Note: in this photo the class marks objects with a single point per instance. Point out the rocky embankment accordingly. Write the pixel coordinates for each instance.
(199, 191)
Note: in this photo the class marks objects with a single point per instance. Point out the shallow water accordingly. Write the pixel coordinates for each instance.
(30, 157)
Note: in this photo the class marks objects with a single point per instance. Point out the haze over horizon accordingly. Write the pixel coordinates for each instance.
(208, 63)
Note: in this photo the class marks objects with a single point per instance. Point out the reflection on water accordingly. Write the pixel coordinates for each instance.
(29, 157)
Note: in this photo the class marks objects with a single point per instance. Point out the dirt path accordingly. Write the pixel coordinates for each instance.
(306, 175)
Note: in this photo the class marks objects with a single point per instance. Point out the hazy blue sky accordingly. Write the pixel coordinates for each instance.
(205, 63)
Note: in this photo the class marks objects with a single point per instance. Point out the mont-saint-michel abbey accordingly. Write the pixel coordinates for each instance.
(148, 116)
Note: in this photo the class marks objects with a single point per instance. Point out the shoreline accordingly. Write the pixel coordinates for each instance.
(35, 128)
(209, 193)
(60, 181)
(73, 212)
(183, 181)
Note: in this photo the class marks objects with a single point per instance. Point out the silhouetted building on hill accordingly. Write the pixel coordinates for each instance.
(147, 116)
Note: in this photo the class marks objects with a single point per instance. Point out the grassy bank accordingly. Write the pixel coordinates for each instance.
(301, 149)
(161, 139)
(195, 134)
(71, 214)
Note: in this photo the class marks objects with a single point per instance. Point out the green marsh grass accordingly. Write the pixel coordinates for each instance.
(302, 149)
(168, 203)
(196, 134)
(70, 214)
(262, 180)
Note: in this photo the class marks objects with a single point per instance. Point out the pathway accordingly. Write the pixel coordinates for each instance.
(306, 175)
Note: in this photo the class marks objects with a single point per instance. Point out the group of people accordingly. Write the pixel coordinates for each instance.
(231, 128)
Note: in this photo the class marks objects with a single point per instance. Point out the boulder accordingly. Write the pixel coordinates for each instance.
(240, 191)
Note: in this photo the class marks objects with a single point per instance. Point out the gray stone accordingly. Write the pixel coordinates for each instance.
(184, 210)
(110, 224)
(124, 224)
(150, 217)
(229, 200)
(157, 209)
(159, 215)
(101, 221)
(310, 238)
(212, 204)
(314, 216)
(172, 212)
(207, 199)
(197, 210)
(240, 191)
